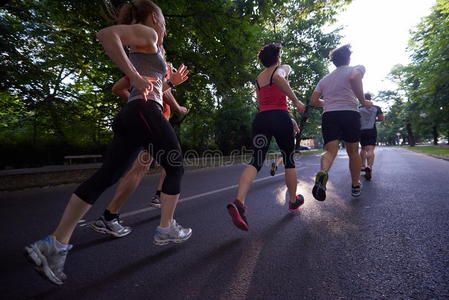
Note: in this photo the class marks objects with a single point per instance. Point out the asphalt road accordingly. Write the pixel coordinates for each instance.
(391, 243)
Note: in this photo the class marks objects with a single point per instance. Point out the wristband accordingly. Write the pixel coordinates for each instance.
(170, 84)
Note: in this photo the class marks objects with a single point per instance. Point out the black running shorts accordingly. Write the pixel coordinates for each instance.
(341, 125)
(368, 137)
(277, 124)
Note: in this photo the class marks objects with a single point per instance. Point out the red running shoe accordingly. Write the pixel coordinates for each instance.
(237, 212)
(368, 172)
(295, 205)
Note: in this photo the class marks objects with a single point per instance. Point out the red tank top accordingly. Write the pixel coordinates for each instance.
(271, 97)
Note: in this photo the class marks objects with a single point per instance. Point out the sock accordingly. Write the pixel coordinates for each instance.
(109, 216)
(58, 245)
(164, 229)
(158, 193)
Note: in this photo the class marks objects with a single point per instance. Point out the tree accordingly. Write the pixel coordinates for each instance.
(56, 78)
(425, 81)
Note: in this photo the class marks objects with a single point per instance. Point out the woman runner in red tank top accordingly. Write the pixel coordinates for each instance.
(273, 120)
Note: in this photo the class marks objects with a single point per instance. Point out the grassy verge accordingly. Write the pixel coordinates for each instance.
(429, 150)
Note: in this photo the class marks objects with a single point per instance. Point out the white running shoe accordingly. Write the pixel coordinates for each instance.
(113, 227)
(47, 259)
(177, 234)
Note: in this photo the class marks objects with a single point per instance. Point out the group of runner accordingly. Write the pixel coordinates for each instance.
(142, 133)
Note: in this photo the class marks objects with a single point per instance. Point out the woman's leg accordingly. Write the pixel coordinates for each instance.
(260, 143)
(246, 179)
(48, 255)
(74, 211)
(165, 148)
(283, 134)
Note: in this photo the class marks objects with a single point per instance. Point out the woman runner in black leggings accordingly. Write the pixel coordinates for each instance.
(139, 124)
(272, 90)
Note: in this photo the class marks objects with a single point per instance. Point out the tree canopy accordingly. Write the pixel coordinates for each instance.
(424, 84)
(55, 91)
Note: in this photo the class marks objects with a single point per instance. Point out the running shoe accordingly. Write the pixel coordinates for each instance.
(177, 234)
(47, 259)
(237, 212)
(319, 189)
(356, 190)
(368, 173)
(113, 228)
(273, 169)
(363, 169)
(295, 206)
(156, 201)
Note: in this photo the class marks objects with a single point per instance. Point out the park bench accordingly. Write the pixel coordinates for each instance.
(70, 158)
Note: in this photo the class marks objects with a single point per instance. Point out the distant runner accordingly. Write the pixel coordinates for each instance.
(368, 137)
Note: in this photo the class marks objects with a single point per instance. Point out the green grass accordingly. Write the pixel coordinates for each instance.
(429, 150)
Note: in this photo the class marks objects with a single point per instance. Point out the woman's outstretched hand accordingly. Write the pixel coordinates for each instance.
(179, 76)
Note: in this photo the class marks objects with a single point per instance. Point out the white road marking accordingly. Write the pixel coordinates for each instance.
(143, 210)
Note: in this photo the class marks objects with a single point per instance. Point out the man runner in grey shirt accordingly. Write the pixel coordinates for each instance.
(368, 137)
(339, 92)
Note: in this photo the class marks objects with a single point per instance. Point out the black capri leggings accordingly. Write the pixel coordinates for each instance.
(271, 123)
(139, 124)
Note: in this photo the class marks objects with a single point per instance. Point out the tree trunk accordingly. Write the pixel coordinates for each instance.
(435, 135)
(411, 137)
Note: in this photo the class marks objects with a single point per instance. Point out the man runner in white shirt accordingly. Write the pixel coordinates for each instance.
(337, 93)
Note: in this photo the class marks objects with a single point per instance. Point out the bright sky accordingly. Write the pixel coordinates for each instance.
(379, 31)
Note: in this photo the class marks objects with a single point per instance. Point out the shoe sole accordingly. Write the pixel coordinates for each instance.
(356, 195)
(155, 205)
(176, 241)
(108, 232)
(236, 218)
(41, 267)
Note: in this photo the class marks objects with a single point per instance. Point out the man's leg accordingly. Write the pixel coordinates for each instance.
(275, 165)
(329, 154)
(363, 156)
(327, 159)
(370, 155)
(128, 184)
(156, 200)
(355, 162)
(110, 223)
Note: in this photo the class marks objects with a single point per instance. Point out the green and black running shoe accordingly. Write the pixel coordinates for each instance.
(319, 189)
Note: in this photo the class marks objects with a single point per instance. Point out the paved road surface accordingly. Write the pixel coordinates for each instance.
(391, 243)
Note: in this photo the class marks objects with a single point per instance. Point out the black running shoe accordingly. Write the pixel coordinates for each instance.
(273, 169)
(237, 212)
(295, 205)
(368, 173)
(319, 189)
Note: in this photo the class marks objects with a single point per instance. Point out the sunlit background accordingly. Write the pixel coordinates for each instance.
(379, 31)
